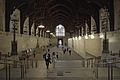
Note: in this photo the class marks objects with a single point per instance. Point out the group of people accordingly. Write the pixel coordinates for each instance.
(49, 59)
(66, 50)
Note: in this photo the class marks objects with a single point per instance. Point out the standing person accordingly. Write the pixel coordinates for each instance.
(57, 55)
(34, 53)
(69, 51)
(47, 58)
(53, 59)
(64, 51)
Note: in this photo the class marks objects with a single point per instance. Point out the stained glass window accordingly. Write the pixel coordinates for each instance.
(60, 30)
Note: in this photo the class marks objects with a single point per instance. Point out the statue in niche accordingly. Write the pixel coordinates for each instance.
(32, 30)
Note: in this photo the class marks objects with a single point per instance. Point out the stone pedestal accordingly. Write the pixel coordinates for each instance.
(105, 46)
(105, 52)
(14, 48)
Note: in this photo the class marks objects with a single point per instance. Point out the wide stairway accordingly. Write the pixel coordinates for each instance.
(67, 67)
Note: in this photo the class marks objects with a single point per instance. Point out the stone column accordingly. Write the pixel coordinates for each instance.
(40, 33)
(117, 14)
(43, 34)
(2, 15)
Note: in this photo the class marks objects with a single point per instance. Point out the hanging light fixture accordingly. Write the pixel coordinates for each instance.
(101, 35)
(52, 34)
(69, 39)
(48, 31)
(41, 26)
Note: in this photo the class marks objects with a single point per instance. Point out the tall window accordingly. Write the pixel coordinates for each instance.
(60, 30)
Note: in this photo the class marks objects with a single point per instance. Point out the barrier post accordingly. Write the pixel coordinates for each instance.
(9, 72)
(36, 64)
(6, 70)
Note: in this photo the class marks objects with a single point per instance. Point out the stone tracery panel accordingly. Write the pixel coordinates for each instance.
(26, 26)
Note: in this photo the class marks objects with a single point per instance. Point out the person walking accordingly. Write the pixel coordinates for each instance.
(34, 54)
(53, 59)
(47, 58)
(69, 51)
(64, 51)
(57, 55)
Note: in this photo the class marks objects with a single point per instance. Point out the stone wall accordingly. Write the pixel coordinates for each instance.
(83, 46)
(24, 42)
(114, 41)
(53, 41)
(95, 46)
(65, 41)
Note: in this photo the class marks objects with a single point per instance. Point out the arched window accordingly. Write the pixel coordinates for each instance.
(60, 30)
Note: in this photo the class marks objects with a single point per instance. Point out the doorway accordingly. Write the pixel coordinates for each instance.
(60, 42)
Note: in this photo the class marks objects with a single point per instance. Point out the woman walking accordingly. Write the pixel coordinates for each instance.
(53, 59)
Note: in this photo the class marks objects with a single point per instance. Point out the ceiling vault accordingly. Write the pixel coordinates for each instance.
(70, 13)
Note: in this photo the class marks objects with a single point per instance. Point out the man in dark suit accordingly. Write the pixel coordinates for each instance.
(47, 58)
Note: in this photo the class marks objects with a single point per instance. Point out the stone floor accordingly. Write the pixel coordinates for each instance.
(67, 67)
